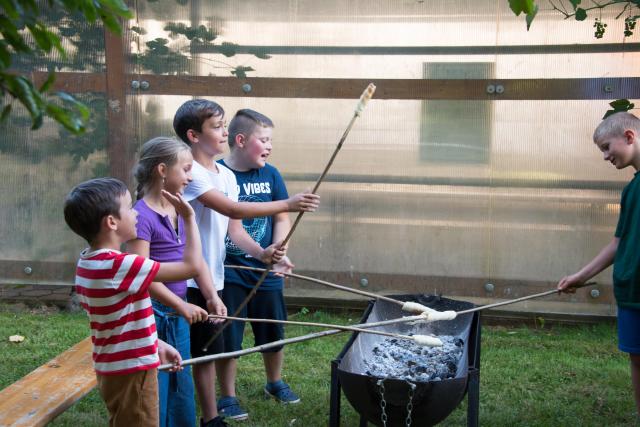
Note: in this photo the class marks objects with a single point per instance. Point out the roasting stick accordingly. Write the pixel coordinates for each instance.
(204, 359)
(424, 340)
(430, 314)
(541, 294)
(364, 99)
(322, 282)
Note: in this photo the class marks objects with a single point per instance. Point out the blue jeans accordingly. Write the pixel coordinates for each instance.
(176, 392)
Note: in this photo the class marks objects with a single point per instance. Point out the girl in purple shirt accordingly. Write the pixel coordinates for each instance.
(165, 164)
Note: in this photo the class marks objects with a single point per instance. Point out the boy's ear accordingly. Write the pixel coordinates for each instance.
(630, 136)
(240, 140)
(192, 135)
(109, 222)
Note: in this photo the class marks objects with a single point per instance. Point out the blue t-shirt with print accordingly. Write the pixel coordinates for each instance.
(256, 185)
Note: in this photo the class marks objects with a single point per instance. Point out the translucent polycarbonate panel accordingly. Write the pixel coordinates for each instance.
(377, 39)
(39, 167)
(541, 205)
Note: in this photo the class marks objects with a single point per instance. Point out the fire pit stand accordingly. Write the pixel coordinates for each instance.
(397, 404)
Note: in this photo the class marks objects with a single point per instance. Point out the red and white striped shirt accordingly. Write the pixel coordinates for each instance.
(113, 289)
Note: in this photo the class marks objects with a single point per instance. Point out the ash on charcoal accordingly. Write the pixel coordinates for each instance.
(404, 359)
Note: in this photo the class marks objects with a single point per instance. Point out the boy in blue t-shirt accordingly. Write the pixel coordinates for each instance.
(618, 137)
(250, 141)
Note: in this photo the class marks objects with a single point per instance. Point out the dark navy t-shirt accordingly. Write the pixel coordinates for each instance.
(257, 185)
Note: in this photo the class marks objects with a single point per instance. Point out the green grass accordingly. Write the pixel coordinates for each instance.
(529, 377)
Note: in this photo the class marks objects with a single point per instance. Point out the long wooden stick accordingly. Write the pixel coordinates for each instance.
(324, 283)
(204, 359)
(513, 301)
(311, 324)
(362, 102)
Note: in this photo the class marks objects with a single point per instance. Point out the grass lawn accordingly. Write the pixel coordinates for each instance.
(556, 376)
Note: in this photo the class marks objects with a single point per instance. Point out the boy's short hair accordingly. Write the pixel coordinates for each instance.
(87, 203)
(615, 125)
(192, 114)
(245, 122)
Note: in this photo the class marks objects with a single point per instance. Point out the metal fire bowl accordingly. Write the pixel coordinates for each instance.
(433, 401)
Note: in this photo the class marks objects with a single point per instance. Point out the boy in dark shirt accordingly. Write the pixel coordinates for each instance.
(618, 139)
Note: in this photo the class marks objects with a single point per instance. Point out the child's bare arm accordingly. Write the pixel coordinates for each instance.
(209, 293)
(241, 238)
(168, 354)
(601, 261)
(214, 199)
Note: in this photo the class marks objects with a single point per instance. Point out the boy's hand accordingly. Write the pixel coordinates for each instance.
(193, 313)
(169, 354)
(183, 208)
(283, 266)
(567, 283)
(216, 306)
(303, 202)
(273, 254)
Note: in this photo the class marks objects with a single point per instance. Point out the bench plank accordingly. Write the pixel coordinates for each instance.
(46, 392)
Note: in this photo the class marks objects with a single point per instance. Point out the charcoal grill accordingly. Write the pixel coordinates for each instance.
(430, 401)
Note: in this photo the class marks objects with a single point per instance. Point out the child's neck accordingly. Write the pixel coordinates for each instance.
(106, 241)
(205, 160)
(235, 162)
(154, 199)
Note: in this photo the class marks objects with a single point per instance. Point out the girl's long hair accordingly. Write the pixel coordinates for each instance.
(158, 150)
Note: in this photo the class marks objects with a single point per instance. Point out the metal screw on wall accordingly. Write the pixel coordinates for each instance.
(135, 84)
(144, 85)
(364, 282)
(28, 270)
(499, 89)
(594, 293)
(491, 89)
(246, 88)
(608, 88)
(489, 287)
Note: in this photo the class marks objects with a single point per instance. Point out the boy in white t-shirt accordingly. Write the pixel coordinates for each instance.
(213, 194)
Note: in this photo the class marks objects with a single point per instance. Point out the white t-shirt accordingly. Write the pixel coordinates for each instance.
(211, 224)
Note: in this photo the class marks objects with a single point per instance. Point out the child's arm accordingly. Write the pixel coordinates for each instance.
(281, 227)
(601, 261)
(168, 354)
(241, 238)
(301, 202)
(208, 290)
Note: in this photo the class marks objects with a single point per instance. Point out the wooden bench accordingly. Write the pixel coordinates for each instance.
(46, 392)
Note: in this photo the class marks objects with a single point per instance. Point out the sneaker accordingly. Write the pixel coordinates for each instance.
(214, 422)
(229, 407)
(281, 392)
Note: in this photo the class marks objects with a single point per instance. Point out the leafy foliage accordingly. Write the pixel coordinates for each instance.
(619, 105)
(26, 35)
(172, 54)
(572, 9)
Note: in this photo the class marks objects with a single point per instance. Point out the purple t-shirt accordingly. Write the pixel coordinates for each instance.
(164, 244)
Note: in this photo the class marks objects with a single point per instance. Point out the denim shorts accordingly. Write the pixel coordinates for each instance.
(629, 330)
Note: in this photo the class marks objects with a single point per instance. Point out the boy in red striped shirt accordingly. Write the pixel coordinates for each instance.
(114, 288)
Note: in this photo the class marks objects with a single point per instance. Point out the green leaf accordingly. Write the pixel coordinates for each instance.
(621, 104)
(527, 7)
(228, 49)
(47, 83)
(5, 113)
(581, 14)
(139, 30)
(261, 53)
(575, 3)
(5, 56)
(530, 17)
(241, 71)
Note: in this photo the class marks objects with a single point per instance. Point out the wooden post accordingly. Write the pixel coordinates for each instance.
(118, 150)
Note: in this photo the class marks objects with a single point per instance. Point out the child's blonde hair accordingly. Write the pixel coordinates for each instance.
(158, 150)
(615, 125)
